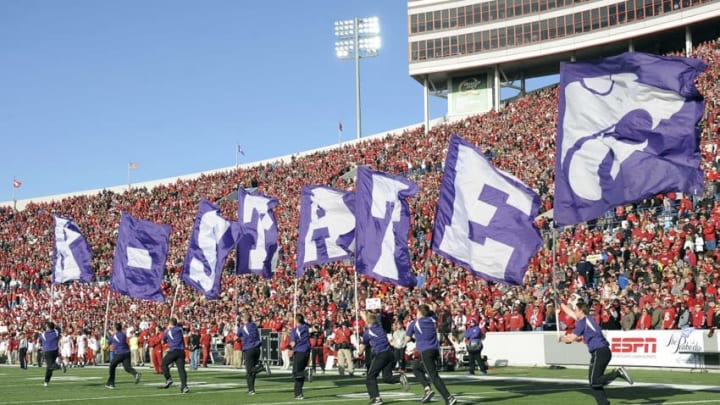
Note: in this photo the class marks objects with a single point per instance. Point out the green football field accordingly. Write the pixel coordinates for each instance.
(218, 386)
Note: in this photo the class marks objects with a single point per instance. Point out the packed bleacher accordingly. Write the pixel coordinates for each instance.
(649, 265)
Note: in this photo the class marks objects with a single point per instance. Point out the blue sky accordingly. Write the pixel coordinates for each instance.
(88, 86)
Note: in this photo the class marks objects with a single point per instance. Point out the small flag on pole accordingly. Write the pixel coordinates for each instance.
(240, 150)
(340, 126)
(17, 183)
(133, 166)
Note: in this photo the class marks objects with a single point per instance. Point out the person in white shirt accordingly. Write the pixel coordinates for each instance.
(81, 348)
(66, 347)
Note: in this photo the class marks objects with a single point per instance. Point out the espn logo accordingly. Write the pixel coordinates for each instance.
(633, 345)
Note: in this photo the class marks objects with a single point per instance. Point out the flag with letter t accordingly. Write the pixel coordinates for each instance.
(484, 218)
(212, 239)
(627, 130)
(72, 256)
(327, 226)
(257, 247)
(140, 255)
(383, 223)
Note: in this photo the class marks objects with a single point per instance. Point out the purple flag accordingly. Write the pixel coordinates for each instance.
(72, 256)
(212, 239)
(258, 242)
(627, 130)
(484, 219)
(327, 226)
(383, 222)
(140, 255)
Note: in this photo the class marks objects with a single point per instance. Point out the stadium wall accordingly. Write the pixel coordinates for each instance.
(637, 348)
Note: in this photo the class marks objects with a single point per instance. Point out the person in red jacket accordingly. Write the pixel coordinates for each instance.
(317, 343)
(205, 346)
(517, 322)
(644, 321)
(698, 317)
(156, 349)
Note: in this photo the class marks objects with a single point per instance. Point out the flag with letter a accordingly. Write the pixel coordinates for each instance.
(140, 255)
(627, 130)
(327, 226)
(484, 218)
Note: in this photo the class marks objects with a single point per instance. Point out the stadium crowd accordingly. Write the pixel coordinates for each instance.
(650, 265)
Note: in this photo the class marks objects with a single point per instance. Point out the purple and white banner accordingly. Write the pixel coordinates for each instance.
(258, 242)
(72, 256)
(212, 239)
(627, 130)
(140, 254)
(327, 226)
(484, 218)
(383, 223)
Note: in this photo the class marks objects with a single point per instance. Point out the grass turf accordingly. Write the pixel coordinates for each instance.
(218, 386)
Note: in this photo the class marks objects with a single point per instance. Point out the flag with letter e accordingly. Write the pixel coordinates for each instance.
(327, 226)
(140, 255)
(72, 256)
(257, 246)
(484, 218)
(382, 224)
(211, 240)
(627, 130)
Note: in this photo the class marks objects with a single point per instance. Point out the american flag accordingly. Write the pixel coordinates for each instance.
(17, 183)
(133, 166)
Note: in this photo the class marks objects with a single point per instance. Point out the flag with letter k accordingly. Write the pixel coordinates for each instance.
(484, 219)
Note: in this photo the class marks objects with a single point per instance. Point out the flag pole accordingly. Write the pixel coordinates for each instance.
(129, 181)
(556, 294)
(107, 312)
(177, 288)
(357, 309)
(236, 157)
(340, 132)
(295, 293)
(52, 299)
(13, 193)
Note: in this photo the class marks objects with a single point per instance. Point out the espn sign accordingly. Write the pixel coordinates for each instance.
(641, 345)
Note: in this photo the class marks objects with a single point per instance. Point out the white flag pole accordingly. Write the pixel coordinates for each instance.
(52, 299)
(554, 280)
(177, 288)
(107, 312)
(295, 294)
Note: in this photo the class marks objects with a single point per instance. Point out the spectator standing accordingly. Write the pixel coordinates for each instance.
(424, 330)
(122, 355)
(22, 350)
(344, 349)
(194, 347)
(399, 344)
(474, 345)
(317, 342)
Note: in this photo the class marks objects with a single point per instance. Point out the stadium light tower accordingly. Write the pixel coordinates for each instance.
(355, 39)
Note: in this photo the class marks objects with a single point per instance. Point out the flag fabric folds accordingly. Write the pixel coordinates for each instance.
(140, 255)
(627, 130)
(484, 218)
(382, 224)
(133, 165)
(17, 183)
(327, 226)
(72, 254)
(240, 150)
(211, 240)
(257, 247)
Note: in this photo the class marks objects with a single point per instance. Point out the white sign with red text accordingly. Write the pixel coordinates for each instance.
(654, 348)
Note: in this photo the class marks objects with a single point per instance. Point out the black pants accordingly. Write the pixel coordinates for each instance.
(475, 360)
(381, 362)
(177, 357)
(427, 363)
(300, 362)
(400, 357)
(599, 360)
(23, 357)
(252, 360)
(50, 363)
(117, 359)
(318, 355)
(368, 357)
